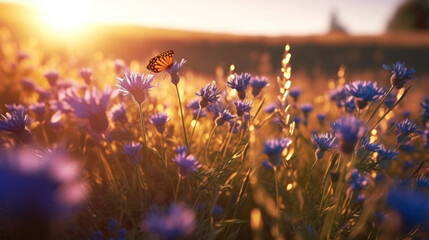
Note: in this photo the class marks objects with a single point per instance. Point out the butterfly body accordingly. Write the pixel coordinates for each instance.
(161, 62)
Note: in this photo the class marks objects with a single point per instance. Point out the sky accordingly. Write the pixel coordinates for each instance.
(249, 17)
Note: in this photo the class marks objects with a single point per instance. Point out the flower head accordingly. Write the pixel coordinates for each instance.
(39, 110)
(348, 130)
(194, 104)
(132, 150)
(321, 117)
(400, 74)
(119, 66)
(174, 71)
(224, 116)
(406, 128)
(258, 83)
(118, 113)
(181, 149)
(358, 181)
(411, 205)
(28, 84)
(136, 85)
(187, 163)
(323, 142)
(209, 94)
(52, 77)
(369, 146)
(242, 107)
(295, 93)
(159, 120)
(38, 189)
(17, 122)
(86, 74)
(306, 108)
(176, 222)
(239, 83)
(364, 92)
(274, 148)
(91, 106)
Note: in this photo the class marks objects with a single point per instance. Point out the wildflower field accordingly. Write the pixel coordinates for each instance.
(109, 149)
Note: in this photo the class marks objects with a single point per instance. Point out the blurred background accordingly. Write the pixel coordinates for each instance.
(358, 34)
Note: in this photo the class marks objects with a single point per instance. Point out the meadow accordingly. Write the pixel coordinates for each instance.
(103, 148)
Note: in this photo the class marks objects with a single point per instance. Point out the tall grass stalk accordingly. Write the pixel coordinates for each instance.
(195, 125)
(182, 116)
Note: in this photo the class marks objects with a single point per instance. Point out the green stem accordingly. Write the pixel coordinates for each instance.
(228, 139)
(177, 189)
(183, 118)
(209, 140)
(193, 129)
(146, 160)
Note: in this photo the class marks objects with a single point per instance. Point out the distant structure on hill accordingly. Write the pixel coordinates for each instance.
(335, 25)
(411, 15)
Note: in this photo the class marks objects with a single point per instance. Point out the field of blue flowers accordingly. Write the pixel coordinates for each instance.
(108, 150)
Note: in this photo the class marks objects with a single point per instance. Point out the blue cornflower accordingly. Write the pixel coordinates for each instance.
(52, 77)
(364, 92)
(159, 120)
(176, 222)
(187, 163)
(306, 108)
(321, 117)
(236, 125)
(386, 155)
(295, 93)
(194, 104)
(224, 116)
(274, 147)
(17, 122)
(39, 110)
(122, 234)
(348, 104)
(270, 108)
(267, 164)
(16, 107)
(40, 187)
(98, 235)
(181, 149)
(216, 109)
(425, 112)
(174, 71)
(391, 99)
(297, 119)
(406, 128)
(91, 106)
(132, 150)
(218, 210)
(113, 225)
(323, 142)
(423, 182)
(28, 84)
(348, 130)
(209, 94)
(118, 113)
(239, 83)
(136, 85)
(43, 94)
(412, 206)
(400, 74)
(258, 83)
(368, 146)
(86, 75)
(358, 181)
(242, 107)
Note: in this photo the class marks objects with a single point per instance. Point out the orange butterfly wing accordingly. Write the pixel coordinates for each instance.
(161, 62)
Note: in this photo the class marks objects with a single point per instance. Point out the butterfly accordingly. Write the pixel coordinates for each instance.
(161, 62)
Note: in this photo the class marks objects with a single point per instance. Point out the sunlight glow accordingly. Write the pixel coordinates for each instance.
(63, 17)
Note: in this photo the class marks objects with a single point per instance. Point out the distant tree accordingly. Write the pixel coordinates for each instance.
(335, 25)
(411, 15)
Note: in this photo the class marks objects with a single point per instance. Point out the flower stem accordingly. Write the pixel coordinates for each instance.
(183, 118)
(276, 182)
(193, 129)
(209, 140)
(177, 189)
(146, 160)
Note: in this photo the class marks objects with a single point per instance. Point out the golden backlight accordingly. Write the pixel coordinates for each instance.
(65, 18)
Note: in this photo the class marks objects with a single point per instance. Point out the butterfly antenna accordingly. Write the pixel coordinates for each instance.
(164, 75)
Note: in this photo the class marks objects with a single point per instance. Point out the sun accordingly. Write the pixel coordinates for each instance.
(65, 17)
